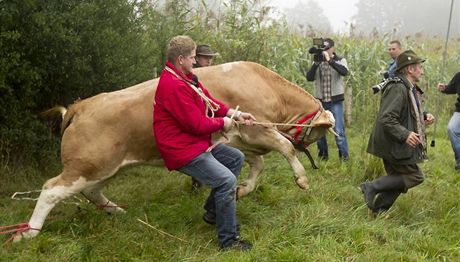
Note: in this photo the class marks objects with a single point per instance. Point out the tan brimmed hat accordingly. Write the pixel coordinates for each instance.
(205, 50)
(407, 58)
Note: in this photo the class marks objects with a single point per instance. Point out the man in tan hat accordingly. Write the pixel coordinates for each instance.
(398, 136)
(204, 56)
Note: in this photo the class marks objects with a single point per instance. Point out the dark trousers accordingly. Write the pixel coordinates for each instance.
(411, 176)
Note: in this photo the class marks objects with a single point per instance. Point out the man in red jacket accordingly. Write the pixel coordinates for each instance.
(185, 116)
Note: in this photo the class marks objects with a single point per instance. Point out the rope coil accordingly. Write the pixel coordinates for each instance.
(16, 229)
(210, 105)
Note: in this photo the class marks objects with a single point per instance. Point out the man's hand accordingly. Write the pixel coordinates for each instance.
(228, 124)
(429, 119)
(246, 118)
(243, 117)
(441, 87)
(413, 139)
(326, 56)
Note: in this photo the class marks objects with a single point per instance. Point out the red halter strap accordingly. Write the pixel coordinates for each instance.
(301, 122)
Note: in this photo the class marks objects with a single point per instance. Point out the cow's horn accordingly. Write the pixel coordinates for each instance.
(333, 132)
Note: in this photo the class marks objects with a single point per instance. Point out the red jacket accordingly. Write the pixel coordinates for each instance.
(181, 128)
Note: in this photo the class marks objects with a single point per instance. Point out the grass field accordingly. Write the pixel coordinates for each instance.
(328, 223)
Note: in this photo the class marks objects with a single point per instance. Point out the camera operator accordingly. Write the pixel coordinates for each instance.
(328, 74)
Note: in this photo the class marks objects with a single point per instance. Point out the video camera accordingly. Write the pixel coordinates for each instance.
(317, 50)
(379, 87)
(382, 85)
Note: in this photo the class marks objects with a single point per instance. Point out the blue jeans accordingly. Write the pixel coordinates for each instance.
(453, 130)
(336, 109)
(219, 170)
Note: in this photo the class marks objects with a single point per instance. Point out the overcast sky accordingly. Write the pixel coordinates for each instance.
(337, 11)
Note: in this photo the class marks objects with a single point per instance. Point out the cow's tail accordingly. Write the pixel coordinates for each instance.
(59, 111)
(54, 112)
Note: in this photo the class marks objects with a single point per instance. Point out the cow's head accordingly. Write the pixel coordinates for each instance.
(325, 122)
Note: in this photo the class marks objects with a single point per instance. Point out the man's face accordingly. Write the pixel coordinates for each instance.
(415, 73)
(394, 50)
(204, 60)
(330, 51)
(186, 62)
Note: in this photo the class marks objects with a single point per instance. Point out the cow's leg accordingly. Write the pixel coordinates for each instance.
(54, 190)
(286, 148)
(256, 165)
(94, 194)
(270, 140)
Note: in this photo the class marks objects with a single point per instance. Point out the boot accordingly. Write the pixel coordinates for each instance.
(369, 194)
(385, 200)
(382, 184)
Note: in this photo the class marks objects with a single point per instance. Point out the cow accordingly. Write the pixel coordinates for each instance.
(111, 130)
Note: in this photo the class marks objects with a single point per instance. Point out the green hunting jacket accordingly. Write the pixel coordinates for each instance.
(395, 120)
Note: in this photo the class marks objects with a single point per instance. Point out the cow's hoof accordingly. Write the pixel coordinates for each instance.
(24, 235)
(302, 183)
(114, 210)
(17, 238)
(242, 191)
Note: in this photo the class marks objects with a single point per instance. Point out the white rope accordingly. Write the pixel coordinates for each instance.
(14, 196)
(278, 124)
(234, 112)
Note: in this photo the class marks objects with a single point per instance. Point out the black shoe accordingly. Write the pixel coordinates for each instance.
(323, 158)
(209, 218)
(236, 244)
(369, 194)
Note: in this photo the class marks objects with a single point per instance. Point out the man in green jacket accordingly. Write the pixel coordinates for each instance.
(398, 136)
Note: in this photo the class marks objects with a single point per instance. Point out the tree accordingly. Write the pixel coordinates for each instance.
(54, 52)
(406, 17)
(307, 18)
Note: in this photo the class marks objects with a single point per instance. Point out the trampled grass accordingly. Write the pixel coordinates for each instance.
(328, 223)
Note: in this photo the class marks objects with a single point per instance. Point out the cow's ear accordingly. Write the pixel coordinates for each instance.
(324, 122)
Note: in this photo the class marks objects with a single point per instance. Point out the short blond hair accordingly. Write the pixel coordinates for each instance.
(180, 45)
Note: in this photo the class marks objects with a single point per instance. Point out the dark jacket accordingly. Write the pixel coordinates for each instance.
(454, 88)
(395, 120)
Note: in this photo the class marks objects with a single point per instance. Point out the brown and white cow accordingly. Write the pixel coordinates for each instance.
(103, 133)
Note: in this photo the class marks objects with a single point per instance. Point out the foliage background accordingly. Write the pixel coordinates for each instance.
(54, 52)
